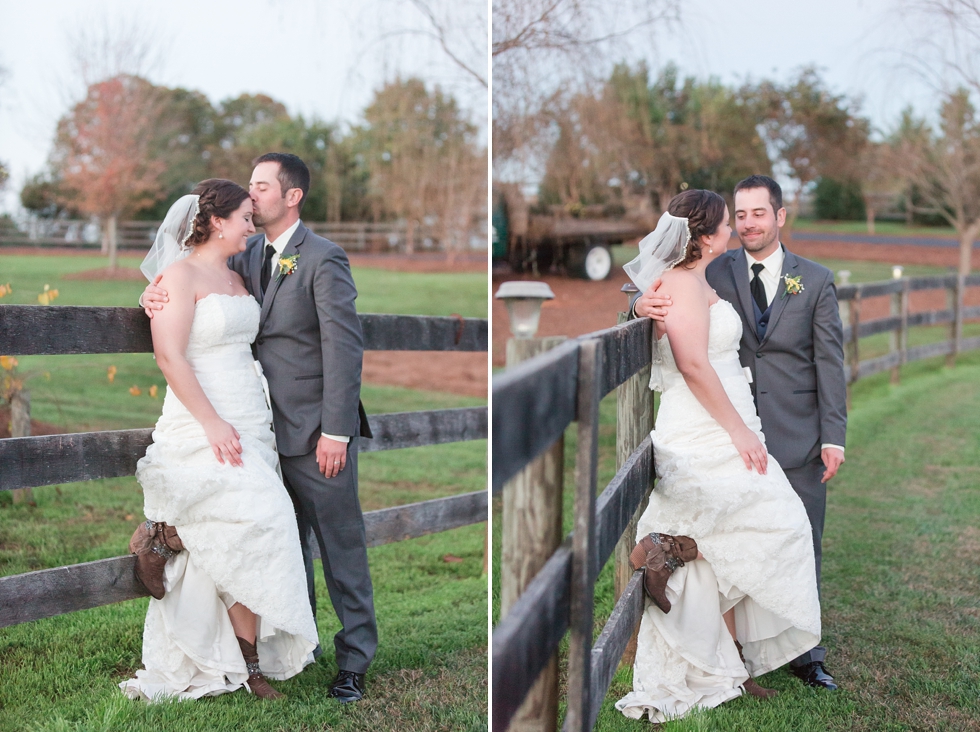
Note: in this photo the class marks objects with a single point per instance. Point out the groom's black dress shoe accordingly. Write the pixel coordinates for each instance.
(814, 674)
(347, 687)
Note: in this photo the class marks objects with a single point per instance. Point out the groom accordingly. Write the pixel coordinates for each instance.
(310, 346)
(792, 341)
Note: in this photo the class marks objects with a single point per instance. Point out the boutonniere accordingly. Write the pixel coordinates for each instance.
(794, 285)
(287, 265)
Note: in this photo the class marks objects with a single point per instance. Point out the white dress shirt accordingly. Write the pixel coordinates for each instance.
(279, 245)
(772, 273)
(771, 276)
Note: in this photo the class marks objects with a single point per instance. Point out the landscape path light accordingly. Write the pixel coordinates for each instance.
(523, 299)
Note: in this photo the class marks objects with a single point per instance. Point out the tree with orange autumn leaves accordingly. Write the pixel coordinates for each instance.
(102, 153)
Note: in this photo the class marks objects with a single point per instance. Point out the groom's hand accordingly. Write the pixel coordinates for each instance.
(331, 456)
(651, 304)
(153, 297)
(832, 459)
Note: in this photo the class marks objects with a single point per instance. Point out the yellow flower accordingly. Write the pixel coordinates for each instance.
(153, 391)
(111, 372)
(5, 290)
(287, 265)
(8, 363)
(48, 296)
(135, 390)
(794, 285)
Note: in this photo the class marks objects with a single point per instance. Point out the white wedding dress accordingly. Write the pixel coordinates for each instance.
(755, 537)
(237, 524)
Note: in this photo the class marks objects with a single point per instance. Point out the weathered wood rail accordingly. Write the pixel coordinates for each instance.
(900, 320)
(533, 404)
(28, 462)
(353, 236)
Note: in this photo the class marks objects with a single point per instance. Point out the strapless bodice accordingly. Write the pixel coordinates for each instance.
(724, 334)
(222, 331)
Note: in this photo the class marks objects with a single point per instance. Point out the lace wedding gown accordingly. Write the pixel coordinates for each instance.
(755, 537)
(237, 524)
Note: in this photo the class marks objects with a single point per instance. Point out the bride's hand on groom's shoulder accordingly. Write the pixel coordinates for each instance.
(153, 297)
(751, 449)
(651, 304)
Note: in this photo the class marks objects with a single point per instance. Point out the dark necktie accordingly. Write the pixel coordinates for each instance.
(266, 268)
(757, 288)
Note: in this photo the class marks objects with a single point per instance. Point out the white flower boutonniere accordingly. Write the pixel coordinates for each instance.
(794, 285)
(287, 265)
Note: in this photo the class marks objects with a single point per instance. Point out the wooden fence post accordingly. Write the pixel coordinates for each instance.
(634, 420)
(954, 302)
(854, 348)
(20, 426)
(895, 336)
(532, 518)
(903, 333)
(581, 615)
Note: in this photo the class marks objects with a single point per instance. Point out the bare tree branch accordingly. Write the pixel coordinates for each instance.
(440, 33)
(544, 52)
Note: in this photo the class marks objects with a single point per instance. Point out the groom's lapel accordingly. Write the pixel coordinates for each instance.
(291, 248)
(790, 267)
(255, 268)
(740, 272)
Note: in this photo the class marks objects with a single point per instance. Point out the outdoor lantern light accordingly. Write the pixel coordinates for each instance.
(897, 272)
(523, 301)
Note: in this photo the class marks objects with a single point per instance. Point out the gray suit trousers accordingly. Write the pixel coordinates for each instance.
(329, 511)
(806, 482)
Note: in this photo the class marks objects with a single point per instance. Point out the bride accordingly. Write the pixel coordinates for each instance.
(727, 546)
(233, 601)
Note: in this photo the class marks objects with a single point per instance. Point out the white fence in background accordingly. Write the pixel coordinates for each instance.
(354, 236)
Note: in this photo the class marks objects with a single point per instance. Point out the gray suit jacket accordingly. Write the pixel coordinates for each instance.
(309, 342)
(798, 367)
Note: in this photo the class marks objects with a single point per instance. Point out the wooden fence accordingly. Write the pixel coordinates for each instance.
(45, 460)
(533, 404)
(353, 236)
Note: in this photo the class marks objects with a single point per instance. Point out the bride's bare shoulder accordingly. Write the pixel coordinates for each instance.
(680, 282)
(179, 276)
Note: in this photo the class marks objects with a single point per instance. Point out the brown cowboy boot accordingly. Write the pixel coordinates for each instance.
(658, 555)
(751, 686)
(257, 683)
(153, 544)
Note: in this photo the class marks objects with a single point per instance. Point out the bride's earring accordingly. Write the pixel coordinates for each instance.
(220, 235)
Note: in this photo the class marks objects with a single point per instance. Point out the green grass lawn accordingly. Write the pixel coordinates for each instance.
(379, 291)
(860, 271)
(884, 228)
(60, 674)
(901, 570)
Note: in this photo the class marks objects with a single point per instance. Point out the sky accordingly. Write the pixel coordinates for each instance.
(853, 43)
(325, 57)
(860, 48)
(320, 58)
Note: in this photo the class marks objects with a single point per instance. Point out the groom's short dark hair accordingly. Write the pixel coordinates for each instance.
(293, 172)
(763, 181)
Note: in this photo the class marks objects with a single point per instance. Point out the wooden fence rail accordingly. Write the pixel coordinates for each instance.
(27, 462)
(533, 404)
(137, 236)
(49, 592)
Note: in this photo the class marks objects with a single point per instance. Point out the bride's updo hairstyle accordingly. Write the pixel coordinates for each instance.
(218, 197)
(704, 211)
